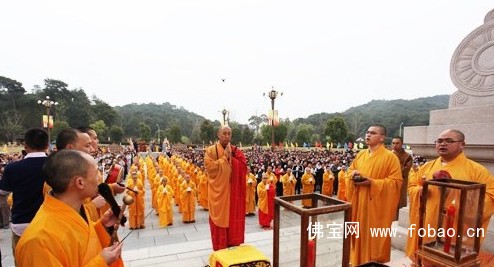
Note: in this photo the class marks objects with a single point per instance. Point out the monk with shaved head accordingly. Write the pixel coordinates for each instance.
(227, 167)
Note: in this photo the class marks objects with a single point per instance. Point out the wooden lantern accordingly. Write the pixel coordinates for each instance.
(451, 223)
(330, 205)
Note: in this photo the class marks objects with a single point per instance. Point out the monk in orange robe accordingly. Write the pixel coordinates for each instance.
(342, 183)
(164, 197)
(288, 180)
(449, 146)
(188, 198)
(61, 234)
(136, 210)
(307, 186)
(327, 182)
(250, 199)
(226, 166)
(374, 198)
(265, 191)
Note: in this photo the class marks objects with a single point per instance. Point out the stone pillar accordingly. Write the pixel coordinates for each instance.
(471, 110)
(471, 107)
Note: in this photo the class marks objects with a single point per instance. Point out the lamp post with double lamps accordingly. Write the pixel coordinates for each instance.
(48, 104)
(272, 95)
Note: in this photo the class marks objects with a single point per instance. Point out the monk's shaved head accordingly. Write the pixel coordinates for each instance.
(224, 135)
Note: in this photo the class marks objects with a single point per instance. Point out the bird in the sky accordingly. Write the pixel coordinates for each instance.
(223, 80)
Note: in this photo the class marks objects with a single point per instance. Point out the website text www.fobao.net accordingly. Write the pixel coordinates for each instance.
(337, 230)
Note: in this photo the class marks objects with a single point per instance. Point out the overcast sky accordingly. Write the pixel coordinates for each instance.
(325, 56)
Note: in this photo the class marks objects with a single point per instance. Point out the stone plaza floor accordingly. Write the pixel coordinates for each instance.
(190, 244)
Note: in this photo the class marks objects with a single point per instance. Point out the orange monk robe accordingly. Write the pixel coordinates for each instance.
(327, 183)
(288, 181)
(250, 194)
(165, 210)
(203, 191)
(272, 178)
(178, 192)
(374, 206)
(461, 168)
(154, 182)
(342, 185)
(59, 236)
(136, 210)
(219, 171)
(188, 198)
(307, 188)
(226, 195)
(263, 203)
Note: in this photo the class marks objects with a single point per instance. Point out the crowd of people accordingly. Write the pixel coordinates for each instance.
(228, 182)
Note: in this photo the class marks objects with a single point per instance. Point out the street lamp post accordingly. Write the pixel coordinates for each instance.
(272, 95)
(224, 112)
(159, 134)
(47, 103)
(401, 124)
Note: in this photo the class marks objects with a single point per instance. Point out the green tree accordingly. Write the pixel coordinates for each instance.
(207, 132)
(337, 128)
(256, 121)
(14, 89)
(101, 130)
(280, 133)
(236, 133)
(145, 132)
(11, 124)
(303, 133)
(174, 134)
(78, 112)
(100, 110)
(58, 126)
(247, 135)
(185, 140)
(116, 134)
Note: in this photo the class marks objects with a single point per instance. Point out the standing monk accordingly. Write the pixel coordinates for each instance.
(449, 147)
(250, 200)
(374, 198)
(327, 182)
(226, 167)
(406, 161)
(61, 234)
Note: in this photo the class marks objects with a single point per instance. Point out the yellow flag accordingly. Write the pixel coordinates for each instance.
(327, 145)
(296, 144)
(267, 144)
(291, 145)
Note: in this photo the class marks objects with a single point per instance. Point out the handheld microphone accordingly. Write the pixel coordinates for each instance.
(105, 191)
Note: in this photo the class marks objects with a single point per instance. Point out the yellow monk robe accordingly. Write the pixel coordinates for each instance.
(165, 211)
(136, 210)
(154, 182)
(59, 236)
(288, 181)
(263, 204)
(461, 168)
(307, 187)
(203, 190)
(219, 172)
(188, 198)
(272, 178)
(374, 206)
(250, 194)
(327, 183)
(342, 185)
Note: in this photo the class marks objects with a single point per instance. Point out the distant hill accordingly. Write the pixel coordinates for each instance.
(165, 115)
(390, 113)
